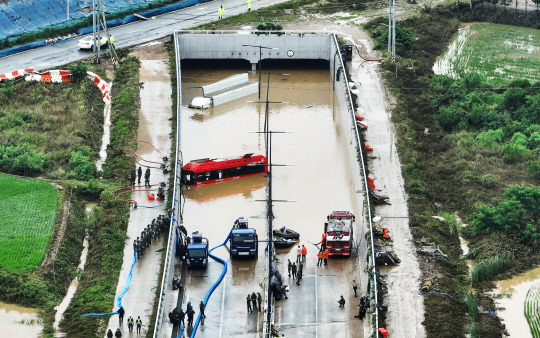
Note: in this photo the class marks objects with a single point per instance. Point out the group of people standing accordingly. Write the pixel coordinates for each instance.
(136, 175)
(295, 270)
(130, 323)
(152, 231)
(254, 302)
(177, 316)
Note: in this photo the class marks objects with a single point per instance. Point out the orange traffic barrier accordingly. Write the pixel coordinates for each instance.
(358, 117)
(361, 125)
(383, 331)
(367, 147)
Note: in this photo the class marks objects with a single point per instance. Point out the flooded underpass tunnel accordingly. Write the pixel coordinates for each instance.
(313, 175)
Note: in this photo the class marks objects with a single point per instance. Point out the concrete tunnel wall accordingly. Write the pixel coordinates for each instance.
(292, 45)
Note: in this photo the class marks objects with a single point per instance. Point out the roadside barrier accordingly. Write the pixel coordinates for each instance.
(17, 74)
(213, 287)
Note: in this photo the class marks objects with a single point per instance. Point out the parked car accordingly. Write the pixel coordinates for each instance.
(88, 42)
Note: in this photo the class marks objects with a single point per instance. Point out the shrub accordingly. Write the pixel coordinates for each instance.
(78, 72)
(490, 138)
(514, 153)
(22, 160)
(491, 267)
(534, 141)
(81, 164)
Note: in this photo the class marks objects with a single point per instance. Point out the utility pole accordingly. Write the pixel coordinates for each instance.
(392, 30)
(260, 63)
(100, 23)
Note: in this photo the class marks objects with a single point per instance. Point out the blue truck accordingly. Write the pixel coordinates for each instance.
(197, 251)
(243, 240)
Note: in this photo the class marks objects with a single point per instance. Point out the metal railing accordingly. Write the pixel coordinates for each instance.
(366, 186)
(177, 193)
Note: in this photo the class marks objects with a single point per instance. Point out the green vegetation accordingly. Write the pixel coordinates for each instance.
(489, 268)
(27, 216)
(501, 53)
(532, 310)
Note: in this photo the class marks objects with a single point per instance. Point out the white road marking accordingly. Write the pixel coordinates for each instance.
(316, 307)
(222, 306)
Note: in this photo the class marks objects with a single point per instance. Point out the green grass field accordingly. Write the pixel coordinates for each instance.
(502, 53)
(27, 216)
(532, 311)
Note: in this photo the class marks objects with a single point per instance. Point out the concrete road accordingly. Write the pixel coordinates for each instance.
(132, 34)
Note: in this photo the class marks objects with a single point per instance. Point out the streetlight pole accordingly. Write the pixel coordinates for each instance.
(260, 61)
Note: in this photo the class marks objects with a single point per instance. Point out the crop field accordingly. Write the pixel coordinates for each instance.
(27, 216)
(502, 53)
(532, 312)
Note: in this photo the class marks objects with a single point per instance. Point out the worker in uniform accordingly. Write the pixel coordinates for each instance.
(354, 286)
(220, 12)
(139, 175)
(254, 301)
(110, 334)
(293, 270)
(138, 322)
(323, 242)
(341, 302)
(201, 308)
(147, 178)
(289, 267)
(325, 256)
(298, 254)
(133, 177)
(130, 324)
(181, 317)
(299, 275)
(320, 258)
(259, 300)
(121, 315)
(304, 253)
(136, 247)
(249, 5)
(190, 312)
(249, 303)
(118, 333)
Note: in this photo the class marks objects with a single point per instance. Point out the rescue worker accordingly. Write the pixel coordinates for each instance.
(138, 322)
(354, 286)
(147, 178)
(298, 254)
(110, 334)
(289, 267)
(136, 247)
(130, 324)
(249, 5)
(249, 304)
(201, 308)
(320, 258)
(121, 315)
(254, 301)
(188, 307)
(293, 269)
(323, 241)
(118, 333)
(341, 302)
(181, 316)
(298, 276)
(325, 256)
(190, 314)
(220, 12)
(304, 253)
(133, 177)
(259, 300)
(139, 176)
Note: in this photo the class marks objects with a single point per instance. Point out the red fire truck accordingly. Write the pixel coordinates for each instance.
(339, 233)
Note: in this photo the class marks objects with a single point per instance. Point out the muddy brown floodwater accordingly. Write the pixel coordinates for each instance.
(18, 321)
(317, 180)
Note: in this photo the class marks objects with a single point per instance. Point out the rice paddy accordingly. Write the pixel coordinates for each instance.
(27, 216)
(502, 53)
(532, 310)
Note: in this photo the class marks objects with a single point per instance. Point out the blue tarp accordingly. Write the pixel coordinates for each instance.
(18, 17)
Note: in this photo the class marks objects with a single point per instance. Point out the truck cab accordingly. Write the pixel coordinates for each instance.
(197, 251)
(339, 231)
(243, 240)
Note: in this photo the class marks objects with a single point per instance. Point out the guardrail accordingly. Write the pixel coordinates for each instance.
(366, 186)
(177, 214)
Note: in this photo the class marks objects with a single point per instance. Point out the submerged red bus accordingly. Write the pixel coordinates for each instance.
(207, 170)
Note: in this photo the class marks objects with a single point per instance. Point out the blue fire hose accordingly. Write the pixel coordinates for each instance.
(213, 287)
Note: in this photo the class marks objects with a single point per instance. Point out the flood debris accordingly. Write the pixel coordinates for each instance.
(427, 285)
(378, 199)
(433, 251)
(385, 256)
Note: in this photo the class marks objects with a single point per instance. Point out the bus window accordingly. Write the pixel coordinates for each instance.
(220, 173)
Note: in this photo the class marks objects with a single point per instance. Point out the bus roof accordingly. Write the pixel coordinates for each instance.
(204, 165)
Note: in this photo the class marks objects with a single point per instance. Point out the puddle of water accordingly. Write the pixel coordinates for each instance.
(510, 296)
(465, 249)
(61, 308)
(18, 321)
(106, 139)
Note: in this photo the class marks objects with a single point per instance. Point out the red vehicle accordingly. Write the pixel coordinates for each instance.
(339, 231)
(207, 170)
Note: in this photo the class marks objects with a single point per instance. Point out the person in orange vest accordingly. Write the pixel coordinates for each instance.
(323, 242)
(320, 257)
(325, 256)
(304, 253)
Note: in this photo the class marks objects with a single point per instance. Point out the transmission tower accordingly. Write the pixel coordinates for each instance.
(99, 29)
